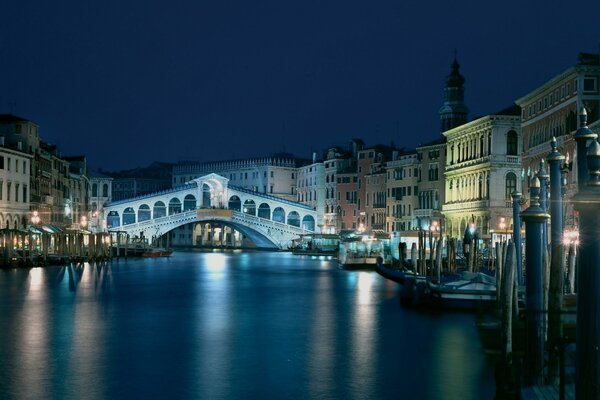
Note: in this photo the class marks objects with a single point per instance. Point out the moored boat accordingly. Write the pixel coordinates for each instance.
(470, 291)
(157, 252)
(361, 252)
(316, 244)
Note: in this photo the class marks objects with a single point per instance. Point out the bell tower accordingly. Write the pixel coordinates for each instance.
(454, 111)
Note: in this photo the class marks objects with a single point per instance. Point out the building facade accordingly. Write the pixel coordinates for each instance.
(551, 110)
(401, 190)
(100, 195)
(14, 188)
(274, 175)
(483, 165)
(431, 185)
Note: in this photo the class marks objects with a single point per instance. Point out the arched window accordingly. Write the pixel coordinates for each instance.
(105, 190)
(95, 190)
(511, 184)
(511, 143)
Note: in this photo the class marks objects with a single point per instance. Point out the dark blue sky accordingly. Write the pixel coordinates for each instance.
(130, 82)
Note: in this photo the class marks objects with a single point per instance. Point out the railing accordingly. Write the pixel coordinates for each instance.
(466, 205)
(268, 196)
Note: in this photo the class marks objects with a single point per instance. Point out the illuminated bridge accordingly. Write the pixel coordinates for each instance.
(268, 221)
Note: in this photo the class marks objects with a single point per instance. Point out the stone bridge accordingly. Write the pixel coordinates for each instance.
(267, 220)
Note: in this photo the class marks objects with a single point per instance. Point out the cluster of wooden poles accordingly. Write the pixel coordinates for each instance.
(38, 248)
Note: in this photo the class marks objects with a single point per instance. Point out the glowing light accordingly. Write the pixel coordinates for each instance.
(215, 263)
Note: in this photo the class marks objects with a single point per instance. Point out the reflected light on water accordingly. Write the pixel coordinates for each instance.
(36, 278)
(363, 333)
(215, 264)
(322, 339)
(365, 283)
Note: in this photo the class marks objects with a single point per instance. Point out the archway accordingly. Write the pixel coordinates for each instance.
(250, 207)
(308, 223)
(294, 219)
(206, 196)
(144, 213)
(174, 206)
(279, 215)
(264, 211)
(159, 210)
(128, 216)
(189, 202)
(113, 220)
(235, 203)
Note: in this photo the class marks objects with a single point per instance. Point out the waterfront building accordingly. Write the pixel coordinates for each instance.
(14, 188)
(77, 192)
(274, 175)
(402, 191)
(551, 110)
(51, 176)
(335, 161)
(140, 181)
(431, 185)
(482, 169)
(361, 188)
(48, 172)
(311, 188)
(101, 194)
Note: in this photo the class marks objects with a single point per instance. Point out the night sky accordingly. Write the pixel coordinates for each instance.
(130, 82)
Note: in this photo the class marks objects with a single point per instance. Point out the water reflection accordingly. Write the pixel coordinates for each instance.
(226, 326)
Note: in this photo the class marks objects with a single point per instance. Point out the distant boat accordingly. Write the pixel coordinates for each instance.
(157, 252)
(316, 244)
(361, 252)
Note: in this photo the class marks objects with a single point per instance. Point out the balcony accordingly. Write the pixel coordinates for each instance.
(466, 205)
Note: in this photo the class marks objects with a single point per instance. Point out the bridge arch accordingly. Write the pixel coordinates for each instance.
(174, 206)
(293, 219)
(277, 219)
(264, 211)
(279, 215)
(250, 207)
(308, 223)
(189, 202)
(235, 203)
(128, 216)
(144, 213)
(113, 220)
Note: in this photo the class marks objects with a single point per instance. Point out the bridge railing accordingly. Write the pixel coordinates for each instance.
(225, 214)
(271, 197)
(270, 222)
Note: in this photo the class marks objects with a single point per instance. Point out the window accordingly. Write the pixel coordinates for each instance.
(94, 190)
(16, 193)
(271, 174)
(589, 85)
(511, 184)
(511, 143)
(24, 193)
(105, 190)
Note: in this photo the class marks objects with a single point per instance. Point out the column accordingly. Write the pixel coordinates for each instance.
(555, 295)
(534, 218)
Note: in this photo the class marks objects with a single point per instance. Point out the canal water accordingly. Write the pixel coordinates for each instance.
(228, 326)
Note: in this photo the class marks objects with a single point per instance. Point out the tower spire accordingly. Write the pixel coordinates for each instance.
(453, 112)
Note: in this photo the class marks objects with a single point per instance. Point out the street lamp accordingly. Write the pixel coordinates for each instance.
(83, 221)
(35, 218)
